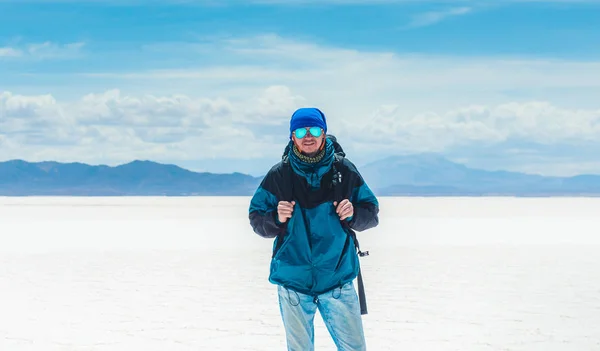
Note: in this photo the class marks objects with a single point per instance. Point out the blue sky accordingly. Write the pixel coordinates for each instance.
(211, 85)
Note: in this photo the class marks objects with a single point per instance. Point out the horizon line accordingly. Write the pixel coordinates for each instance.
(139, 160)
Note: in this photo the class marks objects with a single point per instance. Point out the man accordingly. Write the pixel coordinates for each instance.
(311, 202)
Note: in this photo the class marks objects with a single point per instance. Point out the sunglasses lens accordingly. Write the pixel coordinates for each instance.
(300, 133)
(315, 131)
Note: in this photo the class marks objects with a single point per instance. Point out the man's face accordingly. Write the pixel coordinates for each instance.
(309, 144)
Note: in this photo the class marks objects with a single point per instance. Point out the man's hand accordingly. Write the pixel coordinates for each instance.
(285, 210)
(344, 209)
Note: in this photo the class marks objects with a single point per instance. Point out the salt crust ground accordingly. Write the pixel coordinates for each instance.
(189, 274)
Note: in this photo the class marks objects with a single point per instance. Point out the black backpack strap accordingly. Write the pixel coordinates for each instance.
(338, 197)
(288, 195)
(287, 176)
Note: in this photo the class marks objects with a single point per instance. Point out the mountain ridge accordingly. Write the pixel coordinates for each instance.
(401, 175)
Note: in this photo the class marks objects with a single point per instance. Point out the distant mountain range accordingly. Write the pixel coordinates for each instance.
(433, 175)
(136, 178)
(414, 175)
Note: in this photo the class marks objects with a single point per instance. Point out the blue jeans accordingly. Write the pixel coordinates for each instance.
(339, 309)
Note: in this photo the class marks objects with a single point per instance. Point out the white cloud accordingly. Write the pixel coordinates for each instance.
(120, 127)
(25, 113)
(350, 84)
(273, 107)
(43, 51)
(112, 108)
(534, 122)
(49, 50)
(238, 106)
(433, 17)
(117, 127)
(10, 52)
(319, 70)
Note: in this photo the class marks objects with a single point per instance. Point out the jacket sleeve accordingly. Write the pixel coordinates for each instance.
(366, 205)
(263, 210)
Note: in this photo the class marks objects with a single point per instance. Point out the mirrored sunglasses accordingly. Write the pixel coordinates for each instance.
(314, 131)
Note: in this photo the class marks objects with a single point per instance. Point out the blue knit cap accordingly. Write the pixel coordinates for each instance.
(308, 117)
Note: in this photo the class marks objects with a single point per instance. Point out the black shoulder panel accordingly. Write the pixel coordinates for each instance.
(277, 181)
(351, 178)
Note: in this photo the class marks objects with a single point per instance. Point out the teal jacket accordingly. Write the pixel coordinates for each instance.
(313, 252)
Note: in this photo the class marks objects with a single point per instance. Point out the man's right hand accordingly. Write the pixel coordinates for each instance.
(285, 210)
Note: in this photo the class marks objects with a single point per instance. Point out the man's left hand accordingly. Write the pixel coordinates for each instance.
(344, 209)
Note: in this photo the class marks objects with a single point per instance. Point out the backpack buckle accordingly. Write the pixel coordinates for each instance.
(337, 178)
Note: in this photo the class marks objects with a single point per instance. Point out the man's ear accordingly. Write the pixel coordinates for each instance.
(323, 142)
(294, 142)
